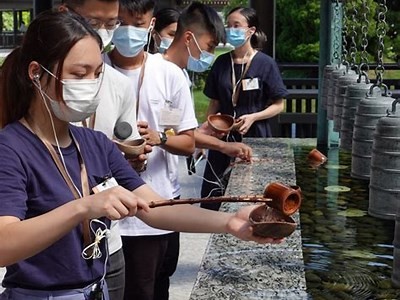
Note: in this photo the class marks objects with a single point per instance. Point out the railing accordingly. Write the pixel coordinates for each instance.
(299, 118)
(10, 40)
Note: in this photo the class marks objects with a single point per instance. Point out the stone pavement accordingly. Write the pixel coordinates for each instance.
(192, 244)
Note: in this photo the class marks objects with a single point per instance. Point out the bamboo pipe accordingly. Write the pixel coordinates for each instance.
(249, 199)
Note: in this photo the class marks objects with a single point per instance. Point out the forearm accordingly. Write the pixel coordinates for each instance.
(180, 144)
(186, 218)
(213, 107)
(28, 237)
(207, 141)
(182, 218)
(271, 111)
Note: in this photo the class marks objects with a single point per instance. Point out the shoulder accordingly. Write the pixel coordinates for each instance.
(90, 136)
(165, 68)
(113, 75)
(263, 59)
(223, 59)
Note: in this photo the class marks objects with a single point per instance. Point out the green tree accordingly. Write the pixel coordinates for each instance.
(234, 3)
(298, 25)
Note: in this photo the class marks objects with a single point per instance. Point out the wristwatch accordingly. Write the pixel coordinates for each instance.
(163, 137)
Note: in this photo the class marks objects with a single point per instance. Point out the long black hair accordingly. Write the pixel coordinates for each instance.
(164, 18)
(258, 39)
(48, 40)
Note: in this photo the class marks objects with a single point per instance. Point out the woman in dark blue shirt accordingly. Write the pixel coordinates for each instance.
(60, 185)
(246, 84)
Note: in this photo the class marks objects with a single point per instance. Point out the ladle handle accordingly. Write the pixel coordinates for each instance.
(251, 199)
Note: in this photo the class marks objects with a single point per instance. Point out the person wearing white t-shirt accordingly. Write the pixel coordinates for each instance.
(164, 104)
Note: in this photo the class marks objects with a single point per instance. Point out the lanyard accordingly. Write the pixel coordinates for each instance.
(237, 83)
(92, 121)
(84, 181)
(140, 82)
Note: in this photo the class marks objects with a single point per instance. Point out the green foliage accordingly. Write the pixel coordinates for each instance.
(297, 24)
(234, 3)
(8, 20)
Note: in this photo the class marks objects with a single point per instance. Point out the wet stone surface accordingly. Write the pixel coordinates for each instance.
(233, 269)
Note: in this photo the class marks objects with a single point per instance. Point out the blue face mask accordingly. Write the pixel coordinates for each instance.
(236, 36)
(203, 63)
(130, 40)
(164, 44)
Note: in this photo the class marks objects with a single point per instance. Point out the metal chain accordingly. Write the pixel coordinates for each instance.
(353, 35)
(344, 38)
(336, 40)
(364, 67)
(381, 28)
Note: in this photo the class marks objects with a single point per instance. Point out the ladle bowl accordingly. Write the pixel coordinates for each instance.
(270, 222)
(132, 148)
(223, 123)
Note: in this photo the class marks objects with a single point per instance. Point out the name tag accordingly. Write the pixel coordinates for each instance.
(170, 116)
(250, 84)
(106, 184)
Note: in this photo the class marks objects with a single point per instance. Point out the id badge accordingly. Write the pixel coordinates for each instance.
(170, 116)
(250, 84)
(106, 184)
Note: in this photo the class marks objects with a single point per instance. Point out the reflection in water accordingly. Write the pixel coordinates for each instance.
(347, 253)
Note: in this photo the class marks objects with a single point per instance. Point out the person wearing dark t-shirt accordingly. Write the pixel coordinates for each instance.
(60, 185)
(246, 84)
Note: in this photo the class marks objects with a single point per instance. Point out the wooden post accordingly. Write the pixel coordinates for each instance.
(266, 16)
(326, 137)
(41, 5)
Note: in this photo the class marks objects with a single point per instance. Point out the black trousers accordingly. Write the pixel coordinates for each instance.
(149, 262)
(216, 177)
(115, 276)
(144, 256)
(168, 267)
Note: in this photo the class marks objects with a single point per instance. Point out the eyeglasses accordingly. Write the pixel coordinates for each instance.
(96, 24)
(108, 25)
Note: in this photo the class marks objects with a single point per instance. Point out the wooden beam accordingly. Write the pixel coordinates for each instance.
(266, 16)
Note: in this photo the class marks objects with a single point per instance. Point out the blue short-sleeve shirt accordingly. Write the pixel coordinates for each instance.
(271, 88)
(31, 185)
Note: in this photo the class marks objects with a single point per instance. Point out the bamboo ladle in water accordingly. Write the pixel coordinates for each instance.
(269, 220)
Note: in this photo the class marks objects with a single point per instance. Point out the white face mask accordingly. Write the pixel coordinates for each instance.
(105, 35)
(81, 99)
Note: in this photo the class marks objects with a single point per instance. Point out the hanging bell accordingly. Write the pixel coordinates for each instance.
(327, 75)
(368, 112)
(384, 187)
(330, 100)
(354, 94)
(340, 92)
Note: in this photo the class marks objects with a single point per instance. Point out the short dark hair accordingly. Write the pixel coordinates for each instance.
(259, 38)
(48, 40)
(77, 3)
(137, 6)
(203, 17)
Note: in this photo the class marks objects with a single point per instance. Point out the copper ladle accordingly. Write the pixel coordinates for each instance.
(269, 220)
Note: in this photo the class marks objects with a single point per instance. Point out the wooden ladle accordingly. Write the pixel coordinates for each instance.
(269, 220)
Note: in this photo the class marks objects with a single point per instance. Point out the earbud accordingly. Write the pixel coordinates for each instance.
(36, 77)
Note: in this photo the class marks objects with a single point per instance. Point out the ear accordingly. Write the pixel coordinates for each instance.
(62, 7)
(34, 70)
(187, 36)
(152, 23)
(252, 30)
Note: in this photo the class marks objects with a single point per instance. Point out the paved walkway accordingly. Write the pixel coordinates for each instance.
(4, 52)
(192, 245)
